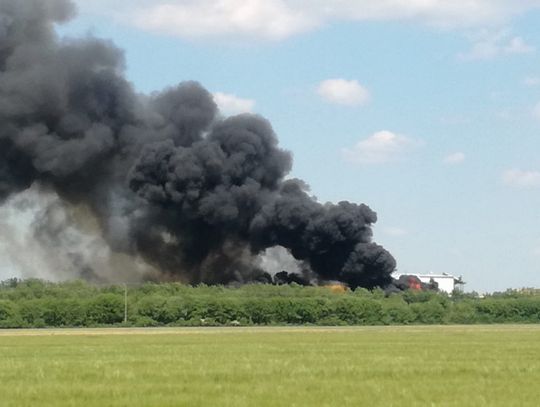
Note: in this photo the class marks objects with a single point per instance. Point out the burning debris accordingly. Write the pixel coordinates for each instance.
(410, 282)
(168, 180)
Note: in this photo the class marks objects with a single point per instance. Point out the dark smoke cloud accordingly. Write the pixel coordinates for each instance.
(197, 196)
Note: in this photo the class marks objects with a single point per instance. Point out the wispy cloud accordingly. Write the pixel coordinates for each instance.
(263, 19)
(536, 111)
(454, 158)
(517, 45)
(231, 104)
(280, 19)
(381, 147)
(531, 81)
(343, 92)
(489, 45)
(521, 179)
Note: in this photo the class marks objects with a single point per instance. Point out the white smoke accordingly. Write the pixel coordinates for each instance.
(277, 259)
(41, 237)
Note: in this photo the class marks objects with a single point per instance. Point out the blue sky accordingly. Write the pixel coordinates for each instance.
(428, 111)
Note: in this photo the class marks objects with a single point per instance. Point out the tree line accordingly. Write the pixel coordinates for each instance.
(40, 304)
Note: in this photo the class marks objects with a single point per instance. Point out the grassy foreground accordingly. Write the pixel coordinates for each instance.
(371, 366)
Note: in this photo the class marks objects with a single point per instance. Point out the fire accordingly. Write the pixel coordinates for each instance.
(415, 284)
(337, 288)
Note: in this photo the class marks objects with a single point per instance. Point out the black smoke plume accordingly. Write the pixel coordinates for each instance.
(195, 195)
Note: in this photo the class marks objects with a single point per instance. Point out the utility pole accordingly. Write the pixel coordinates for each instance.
(125, 304)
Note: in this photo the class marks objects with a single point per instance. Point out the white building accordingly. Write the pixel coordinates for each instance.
(446, 282)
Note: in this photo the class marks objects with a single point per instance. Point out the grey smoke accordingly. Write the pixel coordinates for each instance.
(165, 177)
(44, 237)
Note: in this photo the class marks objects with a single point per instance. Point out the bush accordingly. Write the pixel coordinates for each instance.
(153, 307)
(31, 312)
(397, 311)
(430, 312)
(260, 312)
(463, 313)
(144, 321)
(106, 309)
(62, 313)
(36, 303)
(177, 309)
(9, 315)
(358, 311)
(331, 321)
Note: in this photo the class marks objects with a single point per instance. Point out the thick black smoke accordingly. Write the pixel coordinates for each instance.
(197, 196)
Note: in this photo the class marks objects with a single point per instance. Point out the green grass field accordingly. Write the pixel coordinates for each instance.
(360, 366)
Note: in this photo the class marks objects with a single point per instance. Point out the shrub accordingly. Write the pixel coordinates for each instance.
(260, 312)
(153, 307)
(397, 311)
(36, 303)
(9, 315)
(430, 312)
(106, 309)
(61, 313)
(463, 312)
(145, 321)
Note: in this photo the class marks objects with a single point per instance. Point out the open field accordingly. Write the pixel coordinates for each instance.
(289, 366)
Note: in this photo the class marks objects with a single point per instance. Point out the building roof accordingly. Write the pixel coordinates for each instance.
(457, 280)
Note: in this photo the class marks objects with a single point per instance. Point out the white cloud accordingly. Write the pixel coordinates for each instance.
(231, 104)
(489, 45)
(517, 45)
(454, 158)
(395, 231)
(279, 19)
(531, 81)
(522, 179)
(343, 92)
(381, 147)
(440, 13)
(536, 111)
(259, 19)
